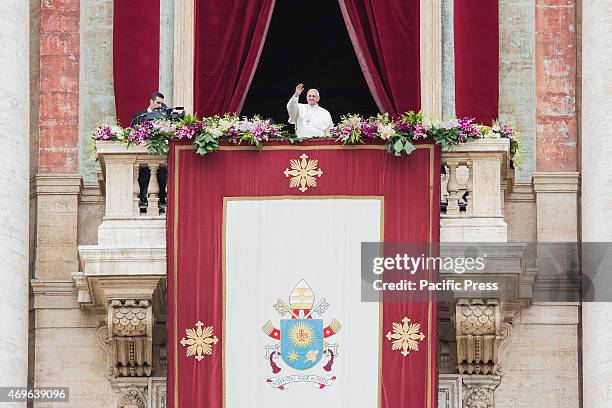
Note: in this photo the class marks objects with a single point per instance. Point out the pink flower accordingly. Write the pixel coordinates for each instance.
(139, 134)
(103, 133)
(188, 131)
(506, 131)
(419, 132)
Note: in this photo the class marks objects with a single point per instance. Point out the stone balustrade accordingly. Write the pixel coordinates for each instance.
(475, 178)
(127, 216)
(473, 191)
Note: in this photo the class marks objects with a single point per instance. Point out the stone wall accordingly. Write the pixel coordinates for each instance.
(96, 89)
(543, 359)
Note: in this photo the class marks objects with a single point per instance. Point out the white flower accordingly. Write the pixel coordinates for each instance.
(354, 120)
(385, 131)
(224, 125)
(116, 130)
(490, 134)
(449, 124)
(217, 132)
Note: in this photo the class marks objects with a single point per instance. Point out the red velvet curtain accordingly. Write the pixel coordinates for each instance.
(135, 55)
(229, 37)
(385, 35)
(477, 59)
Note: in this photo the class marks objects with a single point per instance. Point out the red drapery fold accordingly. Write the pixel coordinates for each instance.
(229, 37)
(477, 59)
(135, 55)
(385, 35)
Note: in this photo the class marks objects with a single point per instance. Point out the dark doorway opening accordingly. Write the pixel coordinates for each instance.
(308, 42)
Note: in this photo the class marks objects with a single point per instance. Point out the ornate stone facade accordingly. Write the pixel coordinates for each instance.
(97, 262)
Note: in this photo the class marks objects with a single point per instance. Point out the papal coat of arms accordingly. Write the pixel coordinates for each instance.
(302, 342)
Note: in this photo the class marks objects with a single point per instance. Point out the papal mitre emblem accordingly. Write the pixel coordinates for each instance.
(302, 297)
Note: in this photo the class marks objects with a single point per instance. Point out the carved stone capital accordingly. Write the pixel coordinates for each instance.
(479, 391)
(130, 327)
(482, 336)
(140, 392)
(132, 399)
(131, 393)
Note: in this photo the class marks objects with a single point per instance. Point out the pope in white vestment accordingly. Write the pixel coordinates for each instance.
(310, 119)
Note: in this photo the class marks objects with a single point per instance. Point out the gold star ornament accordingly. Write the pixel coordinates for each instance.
(303, 173)
(405, 336)
(199, 341)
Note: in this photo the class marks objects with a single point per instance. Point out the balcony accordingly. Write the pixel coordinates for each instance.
(476, 176)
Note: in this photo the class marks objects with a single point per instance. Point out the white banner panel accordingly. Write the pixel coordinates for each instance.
(270, 246)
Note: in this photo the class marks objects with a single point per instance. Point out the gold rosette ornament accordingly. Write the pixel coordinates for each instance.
(199, 341)
(405, 336)
(303, 173)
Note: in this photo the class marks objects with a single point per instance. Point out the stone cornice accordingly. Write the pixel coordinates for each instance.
(521, 192)
(53, 294)
(556, 182)
(90, 194)
(482, 146)
(123, 261)
(56, 184)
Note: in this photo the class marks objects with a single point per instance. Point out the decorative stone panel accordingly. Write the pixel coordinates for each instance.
(482, 337)
(130, 328)
(478, 391)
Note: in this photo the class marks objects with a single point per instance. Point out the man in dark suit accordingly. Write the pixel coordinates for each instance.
(144, 174)
(155, 104)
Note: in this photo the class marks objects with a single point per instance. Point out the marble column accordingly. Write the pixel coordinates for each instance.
(431, 57)
(556, 179)
(14, 184)
(183, 59)
(596, 199)
(166, 50)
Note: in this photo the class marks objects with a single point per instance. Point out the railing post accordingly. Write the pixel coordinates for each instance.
(136, 192)
(470, 189)
(452, 207)
(153, 191)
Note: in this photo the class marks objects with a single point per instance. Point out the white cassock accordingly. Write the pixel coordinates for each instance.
(309, 121)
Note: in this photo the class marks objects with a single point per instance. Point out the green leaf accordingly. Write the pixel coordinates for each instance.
(398, 146)
(409, 147)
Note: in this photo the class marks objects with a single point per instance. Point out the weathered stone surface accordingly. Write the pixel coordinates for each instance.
(14, 183)
(56, 235)
(517, 75)
(556, 124)
(59, 86)
(596, 193)
(448, 59)
(71, 357)
(97, 93)
(542, 370)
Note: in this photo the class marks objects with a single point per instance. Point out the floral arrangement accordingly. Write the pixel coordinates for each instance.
(399, 134)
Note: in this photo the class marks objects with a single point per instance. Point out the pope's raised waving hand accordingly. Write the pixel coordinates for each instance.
(298, 89)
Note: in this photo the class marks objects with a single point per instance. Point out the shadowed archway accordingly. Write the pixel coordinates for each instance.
(308, 42)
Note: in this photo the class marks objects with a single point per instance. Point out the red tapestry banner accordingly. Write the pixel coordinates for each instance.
(265, 306)
(476, 28)
(135, 56)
